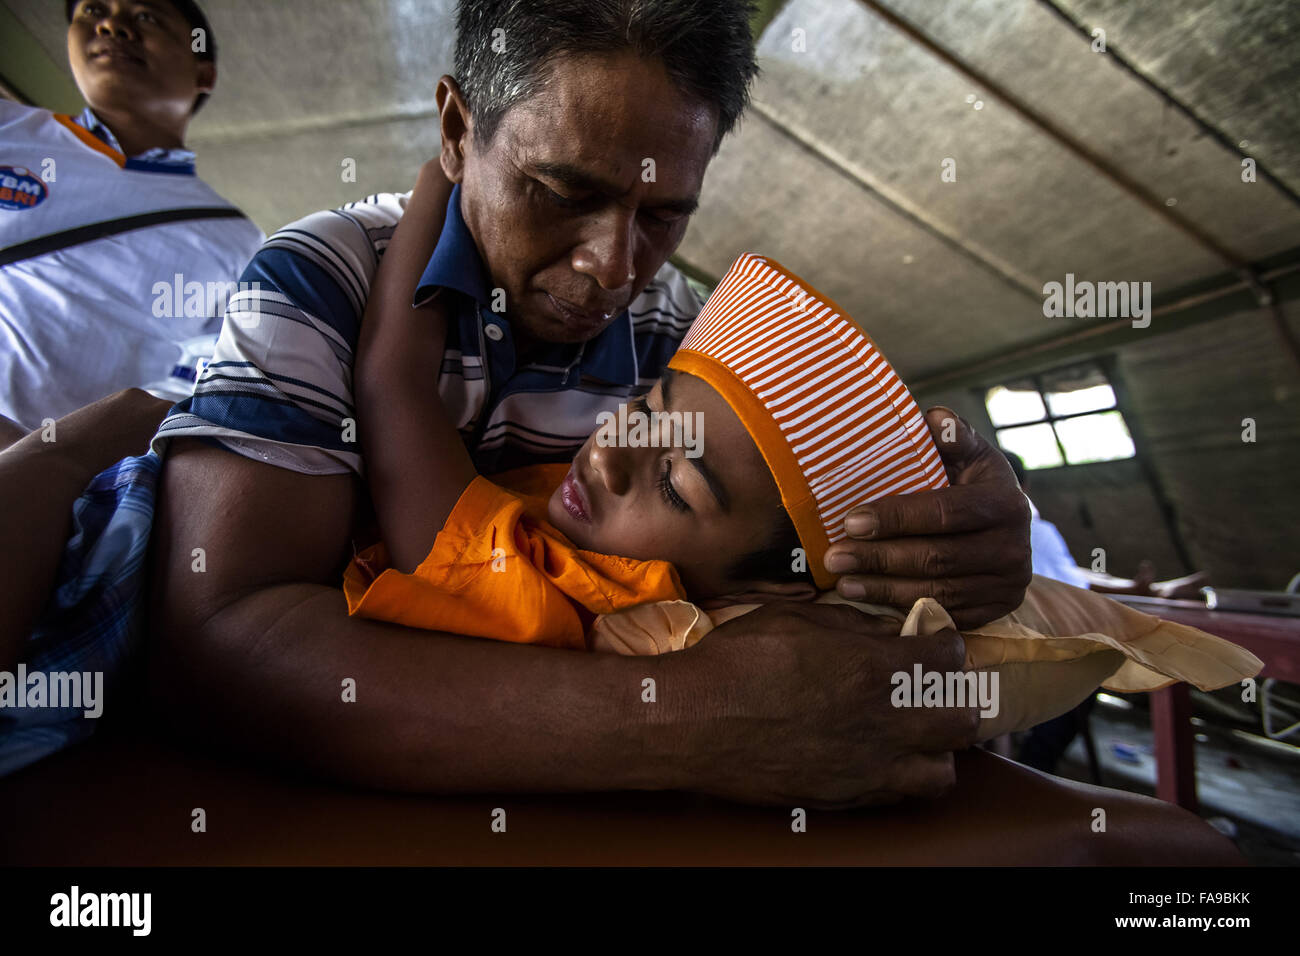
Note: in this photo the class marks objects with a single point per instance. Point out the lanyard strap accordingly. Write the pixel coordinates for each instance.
(55, 241)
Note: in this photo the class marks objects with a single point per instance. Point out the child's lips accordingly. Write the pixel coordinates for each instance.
(574, 497)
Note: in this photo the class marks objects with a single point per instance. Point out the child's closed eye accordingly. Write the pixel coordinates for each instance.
(666, 488)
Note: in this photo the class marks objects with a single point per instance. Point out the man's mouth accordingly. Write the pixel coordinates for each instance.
(114, 53)
(574, 496)
(580, 316)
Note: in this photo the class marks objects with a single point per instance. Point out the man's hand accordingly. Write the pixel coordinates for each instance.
(790, 705)
(966, 546)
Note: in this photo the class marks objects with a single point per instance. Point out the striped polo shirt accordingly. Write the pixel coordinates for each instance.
(279, 386)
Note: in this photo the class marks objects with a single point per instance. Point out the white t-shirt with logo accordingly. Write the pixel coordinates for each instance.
(136, 308)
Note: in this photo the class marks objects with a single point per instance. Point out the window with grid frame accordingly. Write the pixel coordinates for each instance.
(1067, 416)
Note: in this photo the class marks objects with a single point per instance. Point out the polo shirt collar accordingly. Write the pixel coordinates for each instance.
(455, 263)
(157, 159)
(611, 356)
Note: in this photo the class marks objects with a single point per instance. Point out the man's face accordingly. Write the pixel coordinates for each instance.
(584, 192)
(136, 55)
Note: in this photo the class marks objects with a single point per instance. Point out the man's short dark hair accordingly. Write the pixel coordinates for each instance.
(705, 45)
(195, 18)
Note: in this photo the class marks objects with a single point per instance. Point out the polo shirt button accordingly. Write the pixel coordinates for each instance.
(494, 332)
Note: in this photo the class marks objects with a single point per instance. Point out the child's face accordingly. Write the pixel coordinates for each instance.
(700, 513)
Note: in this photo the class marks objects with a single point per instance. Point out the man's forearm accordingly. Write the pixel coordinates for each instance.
(789, 705)
(41, 475)
(38, 486)
(432, 712)
(10, 432)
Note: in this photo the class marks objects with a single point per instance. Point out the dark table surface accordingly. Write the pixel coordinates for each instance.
(127, 797)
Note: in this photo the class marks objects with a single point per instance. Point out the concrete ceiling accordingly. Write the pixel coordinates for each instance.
(1074, 161)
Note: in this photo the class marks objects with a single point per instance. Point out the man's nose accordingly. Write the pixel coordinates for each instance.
(609, 256)
(116, 23)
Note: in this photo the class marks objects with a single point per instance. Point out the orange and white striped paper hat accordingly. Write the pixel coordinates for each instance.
(832, 419)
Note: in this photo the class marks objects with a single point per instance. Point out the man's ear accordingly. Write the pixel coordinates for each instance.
(455, 124)
(206, 79)
(764, 592)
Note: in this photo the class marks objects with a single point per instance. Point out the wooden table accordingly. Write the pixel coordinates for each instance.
(1274, 639)
(127, 798)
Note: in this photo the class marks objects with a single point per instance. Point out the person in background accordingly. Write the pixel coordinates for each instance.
(1050, 554)
(1044, 745)
(1052, 559)
(116, 260)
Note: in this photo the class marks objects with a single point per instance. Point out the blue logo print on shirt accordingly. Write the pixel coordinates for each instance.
(19, 189)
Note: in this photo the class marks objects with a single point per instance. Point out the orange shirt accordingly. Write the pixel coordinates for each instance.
(499, 569)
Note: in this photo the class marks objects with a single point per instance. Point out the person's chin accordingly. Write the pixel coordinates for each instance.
(556, 333)
(555, 509)
(550, 323)
(106, 88)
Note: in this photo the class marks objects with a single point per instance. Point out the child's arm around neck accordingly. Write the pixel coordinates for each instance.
(416, 464)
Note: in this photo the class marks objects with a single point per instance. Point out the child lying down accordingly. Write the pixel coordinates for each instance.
(658, 518)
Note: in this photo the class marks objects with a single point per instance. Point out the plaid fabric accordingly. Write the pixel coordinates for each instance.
(91, 621)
